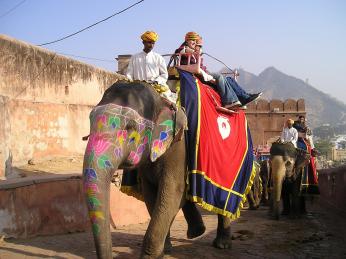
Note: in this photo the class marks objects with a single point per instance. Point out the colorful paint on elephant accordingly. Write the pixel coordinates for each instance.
(91, 190)
(108, 137)
(159, 145)
(108, 141)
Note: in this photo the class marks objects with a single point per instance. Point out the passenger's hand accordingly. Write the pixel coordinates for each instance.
(213, 81)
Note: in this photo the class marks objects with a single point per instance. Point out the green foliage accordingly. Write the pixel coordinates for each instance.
(323, 147)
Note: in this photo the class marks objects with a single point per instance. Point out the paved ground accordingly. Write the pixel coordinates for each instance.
(321, 234)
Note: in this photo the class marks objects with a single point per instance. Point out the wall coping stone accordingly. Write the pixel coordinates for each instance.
(31, 180)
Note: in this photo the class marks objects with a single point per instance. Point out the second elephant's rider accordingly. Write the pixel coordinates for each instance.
(289, 133)
(150, 66)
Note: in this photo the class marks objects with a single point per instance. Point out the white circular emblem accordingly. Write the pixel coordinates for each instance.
(224, 127)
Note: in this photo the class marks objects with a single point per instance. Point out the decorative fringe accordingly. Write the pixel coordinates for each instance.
(222, 212)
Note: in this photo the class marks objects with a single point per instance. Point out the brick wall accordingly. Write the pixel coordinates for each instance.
(267, 118)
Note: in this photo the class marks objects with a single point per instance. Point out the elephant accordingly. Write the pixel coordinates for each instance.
(287, 163)
(265, 175)
(133, 128)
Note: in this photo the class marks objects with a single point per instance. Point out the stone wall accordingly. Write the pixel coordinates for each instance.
(45, 100)
(32, 130)
(267, 118)
(32, 73)
(48, 205)
(332, 183)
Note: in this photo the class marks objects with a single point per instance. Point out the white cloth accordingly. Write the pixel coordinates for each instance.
(311, 142)
(149, 67)
(290, 135)
(206, 76)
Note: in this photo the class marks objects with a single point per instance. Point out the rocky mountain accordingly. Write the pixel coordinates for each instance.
(321, 108)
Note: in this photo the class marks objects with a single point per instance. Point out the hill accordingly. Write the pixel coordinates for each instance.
(321, 108)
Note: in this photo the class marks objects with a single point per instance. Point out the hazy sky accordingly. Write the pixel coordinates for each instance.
(302, 38)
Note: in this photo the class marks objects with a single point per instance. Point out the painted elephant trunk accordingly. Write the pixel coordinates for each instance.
(97, 193)
(278, 175)
(114, 141)
(121, 138)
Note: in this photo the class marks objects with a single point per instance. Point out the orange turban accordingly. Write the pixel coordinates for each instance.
(192, 36)
(150, 36)
(290, 121)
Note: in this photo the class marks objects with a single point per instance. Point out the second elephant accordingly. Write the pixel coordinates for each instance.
(287, 163)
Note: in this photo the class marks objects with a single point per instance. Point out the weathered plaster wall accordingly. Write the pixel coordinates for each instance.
(39, 130)
(54, 204)
(36, 74)
(267, 118)
(45, 100)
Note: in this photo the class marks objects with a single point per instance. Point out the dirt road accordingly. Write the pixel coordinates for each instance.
(321, 234)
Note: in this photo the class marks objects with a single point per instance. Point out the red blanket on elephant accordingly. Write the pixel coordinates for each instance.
(220, 150)
(309, 183)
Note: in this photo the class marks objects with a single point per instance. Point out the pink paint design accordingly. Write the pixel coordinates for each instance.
(91, 189)
(101, 121)
(121, 136)
(145, 140)
(134, 158)
(98, 144)
(156, 143)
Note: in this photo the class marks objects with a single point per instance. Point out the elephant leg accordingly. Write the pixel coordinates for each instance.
(169, 197)
(163, 214)
(251, 200)
(223, 238)
(194, 220)
(149, 194)
(302, 205)
(286, 198)
(296, 199)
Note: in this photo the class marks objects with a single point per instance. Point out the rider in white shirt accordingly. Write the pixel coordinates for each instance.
(289, 134)
(150, 66)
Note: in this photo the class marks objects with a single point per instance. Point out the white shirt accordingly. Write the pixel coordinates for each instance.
(290, 135)
(149, 67)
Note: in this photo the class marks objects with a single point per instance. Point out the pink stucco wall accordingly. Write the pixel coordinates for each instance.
(49, 205)
(45, 100)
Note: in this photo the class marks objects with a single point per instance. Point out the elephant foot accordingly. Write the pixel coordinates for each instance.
(222, 242)
(195, 231)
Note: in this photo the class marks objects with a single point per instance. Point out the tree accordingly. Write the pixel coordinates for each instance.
(323, 147)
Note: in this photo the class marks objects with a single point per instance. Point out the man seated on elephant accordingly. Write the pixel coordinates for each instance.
(150, 66)
(289, 133)
(232, 95)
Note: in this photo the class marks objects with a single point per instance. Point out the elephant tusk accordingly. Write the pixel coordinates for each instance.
(85, 138)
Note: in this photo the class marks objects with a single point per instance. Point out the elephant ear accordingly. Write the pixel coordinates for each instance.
(169, 127)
